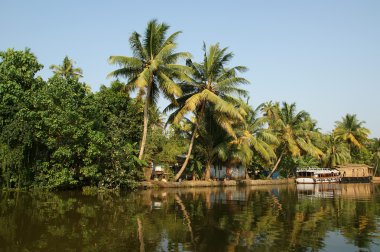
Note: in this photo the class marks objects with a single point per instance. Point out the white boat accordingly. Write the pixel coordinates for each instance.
(317, 175)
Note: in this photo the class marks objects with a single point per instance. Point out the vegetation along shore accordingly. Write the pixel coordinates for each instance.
(57, 134)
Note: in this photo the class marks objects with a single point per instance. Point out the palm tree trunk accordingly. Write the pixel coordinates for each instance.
(178, 175)
(275, 166)
(146, 118)
(207, 171)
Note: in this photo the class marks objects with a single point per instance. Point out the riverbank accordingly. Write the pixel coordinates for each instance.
(211, 183)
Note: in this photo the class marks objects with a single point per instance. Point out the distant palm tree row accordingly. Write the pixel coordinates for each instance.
(224, 128)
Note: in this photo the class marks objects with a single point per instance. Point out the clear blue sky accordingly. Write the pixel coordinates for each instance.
(323, 55)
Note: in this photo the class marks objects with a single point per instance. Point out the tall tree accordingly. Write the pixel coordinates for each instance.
(375, 147)
(295, 132)
(152, 68)
(335, 150)
(262, 140)
(351, 130)
(253, 138)
(214, 87)
(18, 86)
(67, 69)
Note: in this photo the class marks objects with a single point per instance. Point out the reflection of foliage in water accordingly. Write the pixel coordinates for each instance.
(259, 219)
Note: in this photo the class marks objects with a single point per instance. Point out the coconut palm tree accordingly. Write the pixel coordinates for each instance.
(262, 140)
(253, 138)
(67, 70)
(152, 68)
(211, 87)
(294, 131)
(270, 110)
(375, 146)
(351, 130)
(336, 151)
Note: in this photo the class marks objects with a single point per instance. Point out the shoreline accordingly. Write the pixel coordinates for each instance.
(228, 183)
(200, 183)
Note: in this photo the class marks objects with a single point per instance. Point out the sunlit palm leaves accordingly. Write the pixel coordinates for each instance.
(351, 130)
(257, 137)
(295, 131)
(212, 86)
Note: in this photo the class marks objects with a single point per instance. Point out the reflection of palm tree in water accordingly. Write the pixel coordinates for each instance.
(140, 235)
(186, 216)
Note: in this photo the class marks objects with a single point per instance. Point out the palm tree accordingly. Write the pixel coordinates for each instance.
(67, 70)
(261, 139)
(254, 138)
(375, 146)
(336, 151)
(212, 87)
(152, 68)
(351, 130)
(270, 110)
(295, 132)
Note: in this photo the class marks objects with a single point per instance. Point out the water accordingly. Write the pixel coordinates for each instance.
(337, 217)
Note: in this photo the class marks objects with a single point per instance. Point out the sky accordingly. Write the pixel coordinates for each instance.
(322, 55)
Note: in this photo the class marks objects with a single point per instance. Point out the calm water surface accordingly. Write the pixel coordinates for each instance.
(278, 218)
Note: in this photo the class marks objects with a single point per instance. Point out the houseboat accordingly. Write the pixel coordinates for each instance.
(317, 175)
(355, 173)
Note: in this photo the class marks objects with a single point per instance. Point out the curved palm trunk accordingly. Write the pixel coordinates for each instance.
(146, 119)
(275, 166)
(178, 175)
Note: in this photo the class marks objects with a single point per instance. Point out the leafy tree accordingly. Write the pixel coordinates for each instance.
(67, 69)
(18, 85)
(152, 68)
(111, 156)
(210, 86)
(63, 130)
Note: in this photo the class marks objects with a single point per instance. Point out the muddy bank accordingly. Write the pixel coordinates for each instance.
(187, 184)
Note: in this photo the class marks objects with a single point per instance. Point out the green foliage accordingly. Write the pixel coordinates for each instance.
(58, 135)
(18, 85)
(125, 172)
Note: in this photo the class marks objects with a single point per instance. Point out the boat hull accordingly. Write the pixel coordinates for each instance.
(317, 180)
